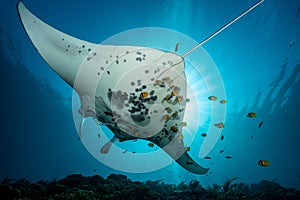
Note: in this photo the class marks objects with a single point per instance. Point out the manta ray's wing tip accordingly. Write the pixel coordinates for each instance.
(21, 8)
(20, 5)
(189, 164)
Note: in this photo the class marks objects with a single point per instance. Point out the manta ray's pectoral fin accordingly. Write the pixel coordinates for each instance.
(62, 52)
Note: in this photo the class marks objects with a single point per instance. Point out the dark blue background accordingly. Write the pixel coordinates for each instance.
(258, 58)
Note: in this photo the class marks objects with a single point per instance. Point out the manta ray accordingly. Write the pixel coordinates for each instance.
(137, 92)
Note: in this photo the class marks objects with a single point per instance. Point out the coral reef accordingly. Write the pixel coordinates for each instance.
(117, 186)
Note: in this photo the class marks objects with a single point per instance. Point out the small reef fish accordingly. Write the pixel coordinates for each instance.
(174, 129)
(212, 98)
(166, 116)
(183, 124)
(175, 93)
(260, 124)
(223, 101)
(99, 135)
(176, 47)
(228, 157)
(150, 144)
(220, 125)
(251, 137)
(144, 94)
(187, 148)
(222, 137)
(263, 163)
(251, 114)
(221, 151)
(207, 157)
(180, 136)
(203, 134)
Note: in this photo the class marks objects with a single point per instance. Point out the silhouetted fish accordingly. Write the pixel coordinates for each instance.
(203, 134)
(176, 47)
(260, 124)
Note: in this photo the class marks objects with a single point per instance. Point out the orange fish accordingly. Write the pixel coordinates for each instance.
(179, 99)
(150, 144)
(183, 124)
(251, 114)
(144, 94)
(166, 78)
(174, 129)
(166, 116)
(223, 101)
(212, 98)
(220, 125)
(175, 92)
(263, 163)
(180, 136)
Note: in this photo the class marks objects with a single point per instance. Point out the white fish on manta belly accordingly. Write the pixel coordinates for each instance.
(126, 88)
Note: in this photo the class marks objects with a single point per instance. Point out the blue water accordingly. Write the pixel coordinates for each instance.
(258, 59)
